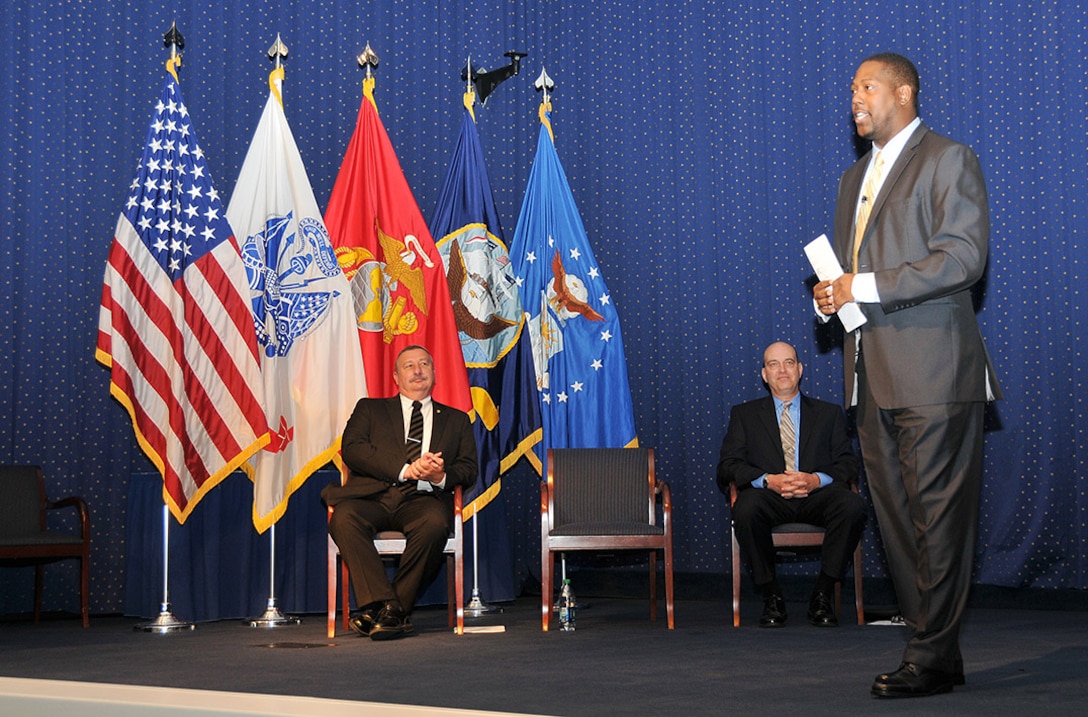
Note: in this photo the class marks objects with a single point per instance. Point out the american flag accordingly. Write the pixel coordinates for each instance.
(175, 326)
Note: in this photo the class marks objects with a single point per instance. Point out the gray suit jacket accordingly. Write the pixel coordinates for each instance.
(927, 240)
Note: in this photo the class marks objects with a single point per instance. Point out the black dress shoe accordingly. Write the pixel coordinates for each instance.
(362, 621)
(820, 611)
(391, 623)
(912, 680)
(774, 612)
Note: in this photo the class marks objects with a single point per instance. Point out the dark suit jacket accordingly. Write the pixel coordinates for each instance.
(752, 445)
(926, 240)
(373, 449)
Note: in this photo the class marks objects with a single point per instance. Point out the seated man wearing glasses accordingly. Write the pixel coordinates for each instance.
(791, 460)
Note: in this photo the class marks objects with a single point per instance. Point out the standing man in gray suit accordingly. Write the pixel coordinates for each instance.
(912, 228)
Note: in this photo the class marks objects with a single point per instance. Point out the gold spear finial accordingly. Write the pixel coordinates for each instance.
(174, 40)
(277, 53)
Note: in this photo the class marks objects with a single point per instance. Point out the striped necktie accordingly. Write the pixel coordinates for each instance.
(789, 437)
(868, 197)
(413, 447)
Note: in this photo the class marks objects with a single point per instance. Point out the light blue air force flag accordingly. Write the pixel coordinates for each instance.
(581, 372)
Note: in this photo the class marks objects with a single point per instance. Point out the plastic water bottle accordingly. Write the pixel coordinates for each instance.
(567, 605)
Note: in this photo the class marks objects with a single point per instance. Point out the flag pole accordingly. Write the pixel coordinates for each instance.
(272, 617)
(477, 607)
(166, 622)
(546, 85)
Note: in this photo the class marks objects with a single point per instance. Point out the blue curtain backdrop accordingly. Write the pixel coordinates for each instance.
(703, 143)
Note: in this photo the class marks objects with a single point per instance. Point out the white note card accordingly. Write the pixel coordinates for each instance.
(823, 261)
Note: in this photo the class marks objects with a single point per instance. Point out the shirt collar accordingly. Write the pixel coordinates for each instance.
(894, 146)
(406, 403)
(778, 402)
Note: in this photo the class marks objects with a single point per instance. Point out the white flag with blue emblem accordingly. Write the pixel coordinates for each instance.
(302, 308)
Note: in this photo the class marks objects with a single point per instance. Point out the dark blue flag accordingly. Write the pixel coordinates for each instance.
(490, 324)
(581, 372)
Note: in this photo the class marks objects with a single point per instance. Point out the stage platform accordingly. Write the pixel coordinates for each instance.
(1019, 661)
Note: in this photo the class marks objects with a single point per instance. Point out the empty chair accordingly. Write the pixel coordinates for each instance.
(25, 538)
(604, 499)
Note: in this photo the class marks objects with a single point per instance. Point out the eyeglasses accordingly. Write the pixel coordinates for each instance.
(774, 365)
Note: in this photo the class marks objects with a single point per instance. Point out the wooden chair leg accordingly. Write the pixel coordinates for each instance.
(668, 586)
(330, 597)
(345, 597)
(38, 592)
(547, 565)
(459, 594)
(451, 591)
(859, 604)
(736, 578)
(85, 589)
(653, 585)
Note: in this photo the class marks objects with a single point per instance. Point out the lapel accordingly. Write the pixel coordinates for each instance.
(769, 421)
(910, 149)
(438, 425)
(805, 431)
(395, 415)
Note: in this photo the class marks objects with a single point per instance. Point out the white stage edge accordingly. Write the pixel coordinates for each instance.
(58, 698)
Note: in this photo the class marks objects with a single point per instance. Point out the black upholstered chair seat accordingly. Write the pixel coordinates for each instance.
(604, 499)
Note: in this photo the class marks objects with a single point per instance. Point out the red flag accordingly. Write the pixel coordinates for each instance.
(174, 325)
(398, 281)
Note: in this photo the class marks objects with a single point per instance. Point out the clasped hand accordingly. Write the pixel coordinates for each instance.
(793, 484)
(429, 467)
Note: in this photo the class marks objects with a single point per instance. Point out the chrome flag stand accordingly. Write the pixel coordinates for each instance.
(165, 622)
(477, 607)
(272, 616)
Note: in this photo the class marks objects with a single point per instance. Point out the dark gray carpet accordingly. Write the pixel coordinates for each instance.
(1019, 661)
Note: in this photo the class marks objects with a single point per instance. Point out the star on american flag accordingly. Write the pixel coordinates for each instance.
(172, 202)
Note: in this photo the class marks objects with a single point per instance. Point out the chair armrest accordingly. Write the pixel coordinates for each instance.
(545, 517)
(661, 488)
(74, 501)
(458, 504)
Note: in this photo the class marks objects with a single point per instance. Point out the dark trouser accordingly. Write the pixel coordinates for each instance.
(424, 518)
(924, 468)
(835, 508)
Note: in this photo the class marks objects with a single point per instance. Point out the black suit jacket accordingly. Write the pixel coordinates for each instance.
(373, 449)
(753, 446)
